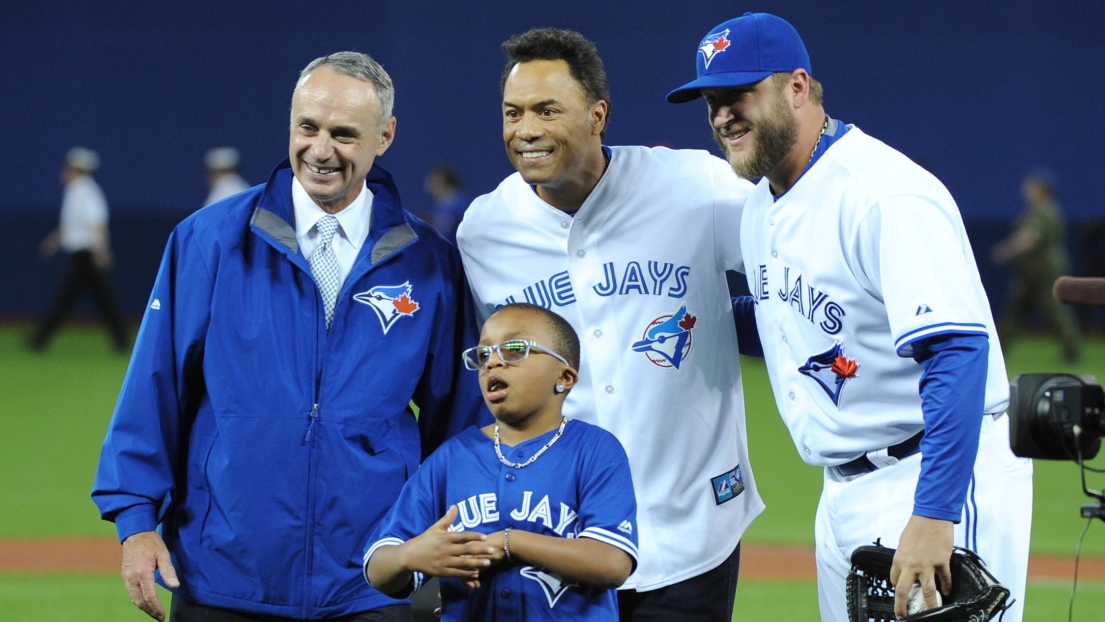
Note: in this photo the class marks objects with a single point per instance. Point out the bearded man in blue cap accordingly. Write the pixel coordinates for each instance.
(878, 336)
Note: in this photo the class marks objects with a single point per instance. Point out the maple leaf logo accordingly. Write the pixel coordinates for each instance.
(687, 322)
(404, 305)
(720, 44)
(844, 367)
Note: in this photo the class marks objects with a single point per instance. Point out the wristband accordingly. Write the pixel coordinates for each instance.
(506, 544)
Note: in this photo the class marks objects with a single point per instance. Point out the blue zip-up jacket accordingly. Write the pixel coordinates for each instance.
(265, 449)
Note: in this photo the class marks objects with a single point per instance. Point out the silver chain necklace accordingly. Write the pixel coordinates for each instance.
(824, 127)
(514, 465)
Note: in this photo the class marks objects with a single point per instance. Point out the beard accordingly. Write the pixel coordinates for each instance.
(776, 135)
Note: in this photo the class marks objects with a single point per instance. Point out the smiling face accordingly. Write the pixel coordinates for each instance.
(552, 135)
(523, 394)
(754, 125)
(336, 134)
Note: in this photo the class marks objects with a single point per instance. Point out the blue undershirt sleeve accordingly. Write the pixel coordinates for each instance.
(953, 393)
(744, 316)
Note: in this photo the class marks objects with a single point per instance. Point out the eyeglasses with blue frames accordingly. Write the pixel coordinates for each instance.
(510, 352)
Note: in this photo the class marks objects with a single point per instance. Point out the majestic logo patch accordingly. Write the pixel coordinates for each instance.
(626, 527)
(727, 485)
(923, 309)
(667, 339)
(553, 585)
(390, 302)
(713, 45)
(830, 369)
(156, 304)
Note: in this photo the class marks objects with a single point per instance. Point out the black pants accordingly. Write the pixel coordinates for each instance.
(705, 598)
(83, 274)
(184, 610)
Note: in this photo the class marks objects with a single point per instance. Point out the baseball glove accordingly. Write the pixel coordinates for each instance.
(975, 594)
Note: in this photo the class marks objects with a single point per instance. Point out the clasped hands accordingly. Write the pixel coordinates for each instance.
(464, 555)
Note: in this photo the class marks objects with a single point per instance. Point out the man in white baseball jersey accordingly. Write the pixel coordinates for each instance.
(877, 333)
(630, 245)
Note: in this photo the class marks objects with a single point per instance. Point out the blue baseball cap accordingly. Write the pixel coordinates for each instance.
(744, 51)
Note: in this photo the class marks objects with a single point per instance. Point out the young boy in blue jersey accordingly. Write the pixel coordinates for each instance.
(530, 518)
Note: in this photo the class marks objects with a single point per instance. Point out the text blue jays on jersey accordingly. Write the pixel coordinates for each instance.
(645, 278)
(484, 508)
(803, 298)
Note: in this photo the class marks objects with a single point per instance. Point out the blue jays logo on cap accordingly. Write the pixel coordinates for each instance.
(830, 369)
(390, 302)
(713, 45)
(667, 339)
(744, 51)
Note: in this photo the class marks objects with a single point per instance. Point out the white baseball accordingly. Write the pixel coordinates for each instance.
(917, 600)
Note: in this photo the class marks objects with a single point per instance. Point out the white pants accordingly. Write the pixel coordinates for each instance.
(996, 524)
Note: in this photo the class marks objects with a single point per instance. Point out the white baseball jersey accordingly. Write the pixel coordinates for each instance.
(864, 255)
(841, 296)
(639, 272)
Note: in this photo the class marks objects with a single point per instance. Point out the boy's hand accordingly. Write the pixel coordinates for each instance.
(442, 553)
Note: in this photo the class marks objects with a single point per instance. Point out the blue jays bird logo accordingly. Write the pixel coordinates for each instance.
(830, 369)
(553, 585)
(714, 44)
(390, 302)
(667, 339)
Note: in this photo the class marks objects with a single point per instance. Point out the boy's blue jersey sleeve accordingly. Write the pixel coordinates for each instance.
(608, 506)
(418, 507)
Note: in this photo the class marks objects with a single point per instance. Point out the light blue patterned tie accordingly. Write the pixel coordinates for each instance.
(324, 265)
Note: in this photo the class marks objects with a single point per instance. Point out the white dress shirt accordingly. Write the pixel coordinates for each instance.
(83, 215)
(352, 226)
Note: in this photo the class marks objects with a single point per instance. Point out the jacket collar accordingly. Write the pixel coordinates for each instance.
(388, 230)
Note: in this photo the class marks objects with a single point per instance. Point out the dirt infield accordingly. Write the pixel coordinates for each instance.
(757, 561)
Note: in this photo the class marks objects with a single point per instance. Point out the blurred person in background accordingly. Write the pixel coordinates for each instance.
(222, 174)
(1038, 246)
(83, 234)
(443, 184)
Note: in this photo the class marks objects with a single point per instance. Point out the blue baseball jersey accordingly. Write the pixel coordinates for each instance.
(579, 488)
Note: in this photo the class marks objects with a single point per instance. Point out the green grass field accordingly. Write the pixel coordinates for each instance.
(55, 408)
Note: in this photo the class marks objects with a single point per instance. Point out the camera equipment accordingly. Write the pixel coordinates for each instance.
(1056, 416)
(1062, 416)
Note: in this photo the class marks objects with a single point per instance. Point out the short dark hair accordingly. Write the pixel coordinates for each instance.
(584, 62)
(566, 342)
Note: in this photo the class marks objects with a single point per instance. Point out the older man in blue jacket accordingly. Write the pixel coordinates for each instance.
(265, 421)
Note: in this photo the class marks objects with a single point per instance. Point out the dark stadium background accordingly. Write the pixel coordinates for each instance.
(978, 92)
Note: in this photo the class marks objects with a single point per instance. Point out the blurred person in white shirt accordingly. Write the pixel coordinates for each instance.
(82, 233)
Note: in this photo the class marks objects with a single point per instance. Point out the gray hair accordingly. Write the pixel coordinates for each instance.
(361, 67)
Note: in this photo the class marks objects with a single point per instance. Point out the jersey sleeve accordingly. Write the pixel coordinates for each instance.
(913, 252)
(952, 388)
(418, 507)
(608, 506)
(730, 194)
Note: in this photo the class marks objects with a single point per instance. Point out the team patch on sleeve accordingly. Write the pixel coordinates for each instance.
(728, 485)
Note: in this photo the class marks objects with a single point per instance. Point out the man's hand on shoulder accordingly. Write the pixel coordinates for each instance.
(143, 553)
